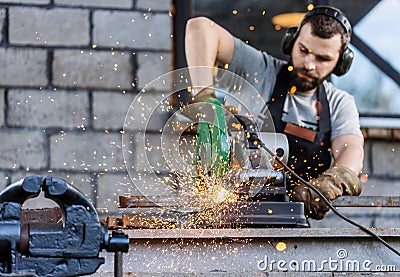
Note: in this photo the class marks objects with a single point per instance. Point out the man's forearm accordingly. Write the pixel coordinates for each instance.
(348, 151)
(205, 44)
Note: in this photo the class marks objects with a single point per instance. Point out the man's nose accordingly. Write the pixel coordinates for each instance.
(309, 62)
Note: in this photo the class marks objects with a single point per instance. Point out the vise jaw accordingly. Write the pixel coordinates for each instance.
(68, 248)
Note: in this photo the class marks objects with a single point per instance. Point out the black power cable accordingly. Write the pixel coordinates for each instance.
(333, 208)
(251, 129)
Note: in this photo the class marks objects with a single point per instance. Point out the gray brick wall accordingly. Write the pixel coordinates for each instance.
(153, 5)
(111, 186)
(22, 149)
(86, 151)
(387, 154)
(23, 67)
(36, 2)
(131, 29)
(36, 26)
(92, 69)
(106, 104)
(47, 108)
(69, 70)
(150, 66)
(122, 4)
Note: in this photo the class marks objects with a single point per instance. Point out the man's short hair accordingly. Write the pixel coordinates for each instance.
(325, 26)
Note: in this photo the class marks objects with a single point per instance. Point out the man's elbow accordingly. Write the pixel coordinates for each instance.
(198, 23)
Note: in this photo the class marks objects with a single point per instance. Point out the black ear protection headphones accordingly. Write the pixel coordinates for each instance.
(346, 58)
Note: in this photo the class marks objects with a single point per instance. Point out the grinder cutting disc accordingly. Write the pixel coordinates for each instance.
(212, 148)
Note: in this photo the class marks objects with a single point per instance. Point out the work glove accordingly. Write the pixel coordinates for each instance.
(335, 182)
(202, 95)
(198, 107)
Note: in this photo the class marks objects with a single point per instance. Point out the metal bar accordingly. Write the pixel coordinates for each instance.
(344, 201)
(182, 12)
(118, 264)
(152, 201)
(380, 122)
(367, 201)
(261, 233)
(356, 15)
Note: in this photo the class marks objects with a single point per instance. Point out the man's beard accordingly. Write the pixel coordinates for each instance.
(303, 84)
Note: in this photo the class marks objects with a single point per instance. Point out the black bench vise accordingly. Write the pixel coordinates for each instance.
(70, 247)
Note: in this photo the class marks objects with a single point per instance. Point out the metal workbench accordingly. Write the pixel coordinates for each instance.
(263, 251)
(256, 252)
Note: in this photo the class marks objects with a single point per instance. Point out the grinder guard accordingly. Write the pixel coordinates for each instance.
(265, 203)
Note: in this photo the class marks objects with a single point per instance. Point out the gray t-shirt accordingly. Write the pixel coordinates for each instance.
(260, 69)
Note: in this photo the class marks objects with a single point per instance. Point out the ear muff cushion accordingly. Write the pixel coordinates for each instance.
(288, 40)
(344, 62)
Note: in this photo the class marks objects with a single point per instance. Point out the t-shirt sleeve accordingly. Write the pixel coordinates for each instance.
(344, 115)
(247, 59)
(257, 67)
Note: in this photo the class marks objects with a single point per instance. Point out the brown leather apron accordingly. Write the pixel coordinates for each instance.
(309, 151)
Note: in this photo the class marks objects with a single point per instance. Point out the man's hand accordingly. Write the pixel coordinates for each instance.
(336, 181)
(198, 107)
(205, 93)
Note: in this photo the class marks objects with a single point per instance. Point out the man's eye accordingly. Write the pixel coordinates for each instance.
(323, 59)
